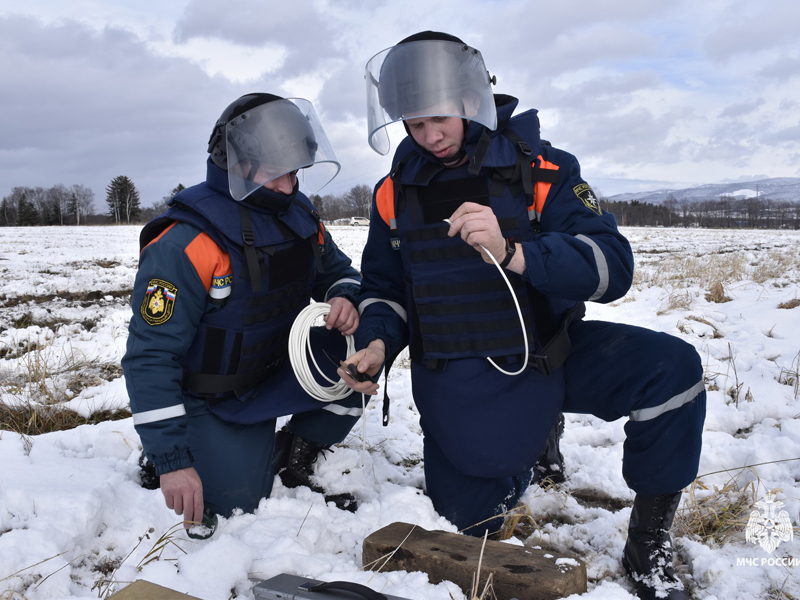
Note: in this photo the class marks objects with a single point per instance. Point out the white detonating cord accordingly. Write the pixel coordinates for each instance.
(519, 313)
(300, 349)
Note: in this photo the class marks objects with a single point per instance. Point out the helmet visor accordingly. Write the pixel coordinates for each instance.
(426, 78)
(276, 138)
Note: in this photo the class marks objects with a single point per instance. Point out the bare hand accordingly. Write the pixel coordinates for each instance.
(343, 316)
(183, 493)
(369, 361)
(478, 226)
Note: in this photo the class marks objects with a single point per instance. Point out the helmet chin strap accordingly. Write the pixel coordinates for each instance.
(254, 166)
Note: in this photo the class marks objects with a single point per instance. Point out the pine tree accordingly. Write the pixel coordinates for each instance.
(27, 215)
(316, 200)
(176, 190)
(123, 200)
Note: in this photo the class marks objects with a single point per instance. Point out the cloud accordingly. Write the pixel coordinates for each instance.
(751, 27)
(84, 106)
(741, 108)
(657, 88)
(600, 94)
(297, 26)
(630, 138)
(781, 70)
(787, 135)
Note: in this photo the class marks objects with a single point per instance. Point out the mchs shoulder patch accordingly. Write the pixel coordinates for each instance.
(585, 193)
(159, 300)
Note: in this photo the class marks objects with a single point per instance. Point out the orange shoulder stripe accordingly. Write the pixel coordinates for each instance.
(321, 234)
(542, 188)
(208, 259)
(384, 198)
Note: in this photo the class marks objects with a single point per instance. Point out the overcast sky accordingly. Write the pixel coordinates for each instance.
(646, 93)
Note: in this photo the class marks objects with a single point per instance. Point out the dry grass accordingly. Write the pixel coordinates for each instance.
(718, 517)
(734, 390)
(517, 521)
(35, 419)
(794, 303)
(48, 376)
(43, 381)
(716, 293)
(680, 271)
(488, 589)
(722, 515)
(791, 376)
(677, 300)
(715, 332)
(107, 583)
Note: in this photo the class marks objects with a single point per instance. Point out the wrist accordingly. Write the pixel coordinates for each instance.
(377, 344)
(511, 249)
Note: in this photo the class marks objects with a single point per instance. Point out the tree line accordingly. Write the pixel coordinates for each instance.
(723, 212)
(61, 205)
(58, 205)
(355, 202)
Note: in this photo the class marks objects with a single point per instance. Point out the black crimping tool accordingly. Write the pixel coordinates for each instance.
(351, 369)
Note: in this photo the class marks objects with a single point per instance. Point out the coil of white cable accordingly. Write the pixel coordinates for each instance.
(300, 350)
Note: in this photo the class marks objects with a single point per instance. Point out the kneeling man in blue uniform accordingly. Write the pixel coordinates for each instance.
(484, 244)
(222, 275)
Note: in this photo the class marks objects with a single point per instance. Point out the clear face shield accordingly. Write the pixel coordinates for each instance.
(276, 138)
(426, 78)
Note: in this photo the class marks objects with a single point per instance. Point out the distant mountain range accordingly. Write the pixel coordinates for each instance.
(776, 188)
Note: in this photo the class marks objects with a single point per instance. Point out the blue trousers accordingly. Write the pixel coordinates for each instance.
(484, 430)
(232, 443)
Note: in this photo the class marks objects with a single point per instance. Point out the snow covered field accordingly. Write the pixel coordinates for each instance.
(74, 522)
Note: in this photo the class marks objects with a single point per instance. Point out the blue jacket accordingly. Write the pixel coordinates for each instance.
(573, 252)
(200, 325)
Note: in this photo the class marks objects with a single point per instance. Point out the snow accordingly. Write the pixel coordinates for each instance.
(74, 522)
(743, 193)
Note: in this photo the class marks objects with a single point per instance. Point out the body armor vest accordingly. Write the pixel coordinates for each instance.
(273, 259)
(460, 305)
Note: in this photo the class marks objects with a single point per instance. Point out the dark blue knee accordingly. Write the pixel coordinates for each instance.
(470, 503)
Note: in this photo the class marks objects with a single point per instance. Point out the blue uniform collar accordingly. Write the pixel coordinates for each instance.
(420, 170)
(217, 179)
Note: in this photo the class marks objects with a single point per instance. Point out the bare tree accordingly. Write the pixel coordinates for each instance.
(58, 204)
(359, 199)
(671, 205)
(81, 202)
(334, 207)
(8, 212)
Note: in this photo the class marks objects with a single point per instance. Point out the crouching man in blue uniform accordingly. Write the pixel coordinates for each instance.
(492, 370)
(222, 275)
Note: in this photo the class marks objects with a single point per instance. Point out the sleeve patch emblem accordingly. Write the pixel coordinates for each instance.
(585, 193)
(220, 286)
(159, 300)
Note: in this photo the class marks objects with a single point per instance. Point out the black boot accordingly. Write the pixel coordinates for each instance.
(648, 551)
(293, 461)
(150, 481)
(549, 468)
